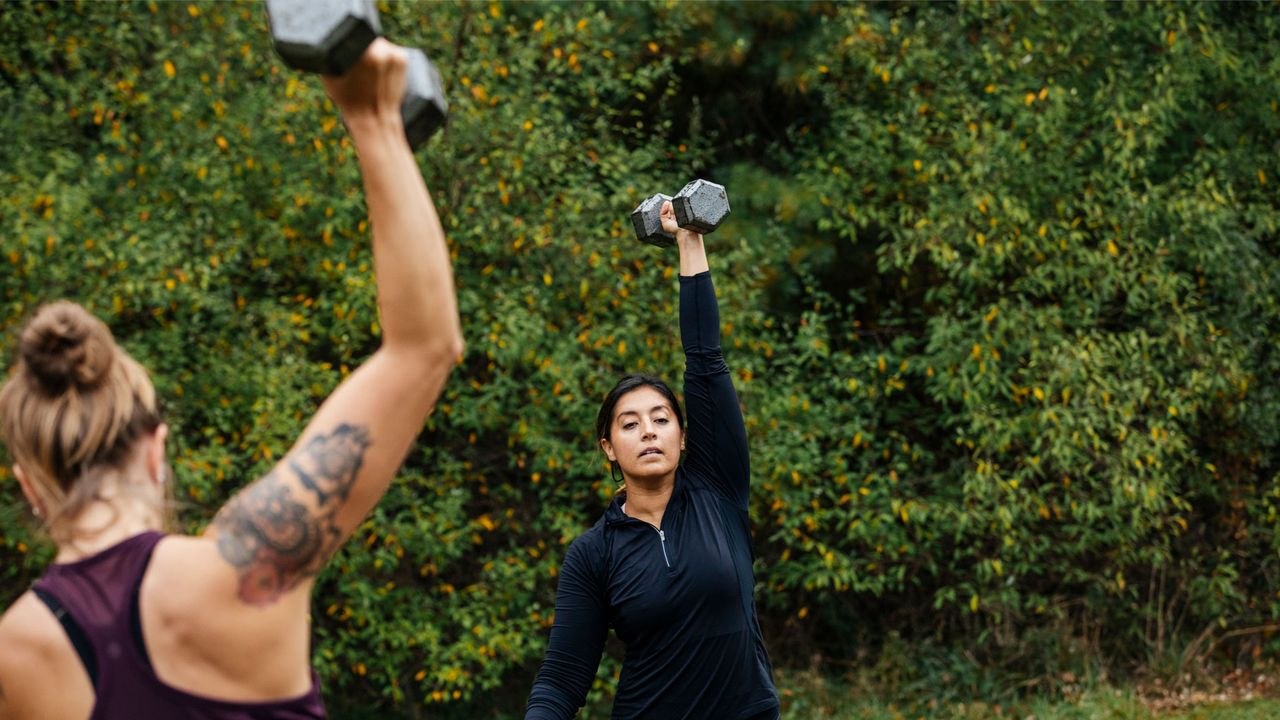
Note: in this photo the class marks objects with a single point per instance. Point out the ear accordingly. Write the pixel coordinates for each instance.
(28, 490)
(608, 450)
(155, 453)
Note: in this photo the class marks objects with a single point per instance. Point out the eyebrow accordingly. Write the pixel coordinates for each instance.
(655, 408)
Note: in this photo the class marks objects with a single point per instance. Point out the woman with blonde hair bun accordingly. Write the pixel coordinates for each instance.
(130, 622)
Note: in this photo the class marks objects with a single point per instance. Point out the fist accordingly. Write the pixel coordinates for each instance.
(374, 86)
(668, 217)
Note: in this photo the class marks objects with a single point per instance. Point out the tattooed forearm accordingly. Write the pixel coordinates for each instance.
(276, 537)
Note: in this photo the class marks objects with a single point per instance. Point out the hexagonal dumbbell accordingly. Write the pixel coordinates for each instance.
(701, 206)
(329, 36)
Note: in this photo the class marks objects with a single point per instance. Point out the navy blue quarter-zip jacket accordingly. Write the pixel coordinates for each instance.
(678, 596)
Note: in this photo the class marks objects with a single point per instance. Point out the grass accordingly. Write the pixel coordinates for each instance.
(809, 697)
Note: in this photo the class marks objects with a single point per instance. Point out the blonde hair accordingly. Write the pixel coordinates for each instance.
(73, 407)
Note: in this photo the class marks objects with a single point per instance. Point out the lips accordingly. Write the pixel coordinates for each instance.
(650, 451)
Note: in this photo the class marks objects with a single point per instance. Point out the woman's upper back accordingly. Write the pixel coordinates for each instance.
(151, 619)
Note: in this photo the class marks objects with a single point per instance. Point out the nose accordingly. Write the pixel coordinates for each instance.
(650, 430)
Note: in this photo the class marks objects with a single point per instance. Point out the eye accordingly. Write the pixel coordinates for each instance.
(628, 425)
(662, 421)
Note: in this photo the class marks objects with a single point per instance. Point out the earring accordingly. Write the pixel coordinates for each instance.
(36, 511)
(161, 476)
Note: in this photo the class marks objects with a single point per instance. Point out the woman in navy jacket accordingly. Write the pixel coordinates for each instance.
(668, 566)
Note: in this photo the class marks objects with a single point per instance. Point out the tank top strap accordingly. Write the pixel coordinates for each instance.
(98, 594)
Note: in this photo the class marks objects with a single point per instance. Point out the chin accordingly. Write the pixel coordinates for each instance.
(650, 472)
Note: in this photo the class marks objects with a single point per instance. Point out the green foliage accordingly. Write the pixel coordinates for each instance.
(999, 290)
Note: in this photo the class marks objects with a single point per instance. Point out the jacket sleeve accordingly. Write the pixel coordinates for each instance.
(577, 638)
(716, 437)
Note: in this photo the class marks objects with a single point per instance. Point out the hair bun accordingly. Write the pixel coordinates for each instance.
(64, 345)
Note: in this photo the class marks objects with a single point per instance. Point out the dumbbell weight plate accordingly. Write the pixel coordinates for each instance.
(647, 221)
(701, 206)
(424, 108)
(322, 36)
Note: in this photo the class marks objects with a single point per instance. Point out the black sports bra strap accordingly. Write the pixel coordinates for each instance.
(74, 633)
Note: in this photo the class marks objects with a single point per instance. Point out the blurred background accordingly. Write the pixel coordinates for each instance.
(1000, 292)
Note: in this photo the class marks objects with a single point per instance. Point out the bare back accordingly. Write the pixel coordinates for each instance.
(199, 637)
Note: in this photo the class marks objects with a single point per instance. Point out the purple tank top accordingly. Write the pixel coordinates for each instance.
(100, 595)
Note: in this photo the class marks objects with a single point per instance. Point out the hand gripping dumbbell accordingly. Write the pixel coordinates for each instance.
(329, 36)
(701, 206)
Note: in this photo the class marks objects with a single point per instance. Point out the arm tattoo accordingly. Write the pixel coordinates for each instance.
(276, 537)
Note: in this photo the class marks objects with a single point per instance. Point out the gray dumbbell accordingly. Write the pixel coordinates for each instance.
(329, 36)
(647, 220)
(701, 206)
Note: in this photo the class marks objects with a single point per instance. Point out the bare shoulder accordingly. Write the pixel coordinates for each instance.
(189, 577)
(202, 638)
(28, 630)
(37, 662)
(187, 568)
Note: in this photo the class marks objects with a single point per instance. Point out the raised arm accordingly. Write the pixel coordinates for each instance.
(577, 641)
(278, 532)
(716, 437)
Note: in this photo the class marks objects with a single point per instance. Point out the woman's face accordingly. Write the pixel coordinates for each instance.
(645, 438)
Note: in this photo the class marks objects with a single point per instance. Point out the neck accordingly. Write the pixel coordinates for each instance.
(108, 521)
(647, 499)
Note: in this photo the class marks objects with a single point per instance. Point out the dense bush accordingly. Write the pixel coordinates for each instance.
(999, 290)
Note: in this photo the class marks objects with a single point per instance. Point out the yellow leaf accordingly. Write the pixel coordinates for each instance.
(1262, 177)
(169, 69)
(973, 603)
(1113, 249)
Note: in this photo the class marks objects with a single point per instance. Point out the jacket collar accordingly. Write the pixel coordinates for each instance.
(613, 515)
